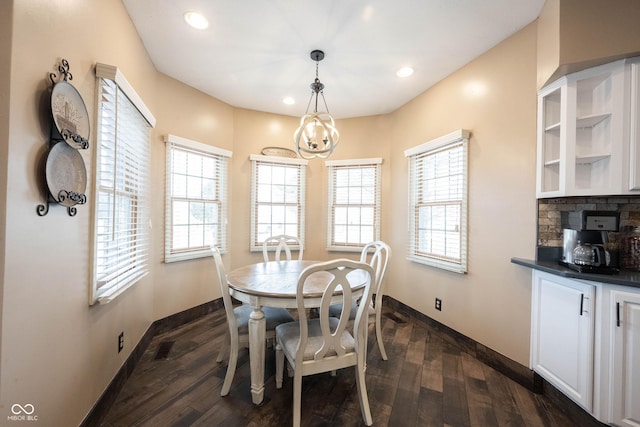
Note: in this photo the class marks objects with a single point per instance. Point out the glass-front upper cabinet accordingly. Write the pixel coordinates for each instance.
(551, 140)
(581, 138)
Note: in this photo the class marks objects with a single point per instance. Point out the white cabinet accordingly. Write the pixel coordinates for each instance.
(625, 358)
(585, 341)
(552, 140)
(581, 133)
(633, 81)
(562, 335)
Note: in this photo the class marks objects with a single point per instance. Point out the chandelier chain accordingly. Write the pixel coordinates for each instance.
(326, 107)
(311, 99)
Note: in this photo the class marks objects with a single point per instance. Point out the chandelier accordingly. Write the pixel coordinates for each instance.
(317, 135)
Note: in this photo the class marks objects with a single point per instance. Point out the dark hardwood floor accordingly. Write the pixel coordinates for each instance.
(427, 381)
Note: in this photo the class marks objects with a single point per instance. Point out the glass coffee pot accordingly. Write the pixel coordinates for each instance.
(591, 255)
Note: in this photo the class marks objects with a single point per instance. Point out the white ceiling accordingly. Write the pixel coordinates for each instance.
(256, 52)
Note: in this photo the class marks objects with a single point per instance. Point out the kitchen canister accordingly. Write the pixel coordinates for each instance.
(629, 246)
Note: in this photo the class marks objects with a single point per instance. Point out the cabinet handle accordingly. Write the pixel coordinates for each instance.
(581, 304)
(618, 314)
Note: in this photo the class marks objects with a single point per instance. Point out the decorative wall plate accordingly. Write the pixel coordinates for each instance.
(66, 175)
(65, 172)
(279, 152)
(70, 116)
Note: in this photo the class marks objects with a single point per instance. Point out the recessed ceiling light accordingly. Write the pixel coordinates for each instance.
(404, 72)
(288, 100)
(196, 20)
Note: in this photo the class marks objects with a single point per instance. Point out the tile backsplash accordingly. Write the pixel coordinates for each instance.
(550, 213)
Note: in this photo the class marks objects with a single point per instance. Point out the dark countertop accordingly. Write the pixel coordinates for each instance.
(624, 277)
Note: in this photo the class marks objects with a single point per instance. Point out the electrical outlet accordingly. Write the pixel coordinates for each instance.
(120, 342)
(438, 304)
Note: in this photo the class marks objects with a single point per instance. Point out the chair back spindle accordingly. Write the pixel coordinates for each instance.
(281, 243)
(224, 288)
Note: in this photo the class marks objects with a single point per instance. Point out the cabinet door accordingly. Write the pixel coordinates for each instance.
(562, 335)
(551, 129)
(626, 359)
(634, 125)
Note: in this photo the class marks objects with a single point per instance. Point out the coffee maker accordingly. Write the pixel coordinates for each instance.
(585, 241)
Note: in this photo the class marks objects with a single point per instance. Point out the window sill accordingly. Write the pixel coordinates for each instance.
(442, 265)
(186, 256)
(107, 296)
(357, 249)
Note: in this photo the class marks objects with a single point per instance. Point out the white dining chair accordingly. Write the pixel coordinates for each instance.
(324, 344)
(378, 261)
(281, 243)
(238, 323)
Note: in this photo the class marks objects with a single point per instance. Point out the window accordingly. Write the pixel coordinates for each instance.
(438, 202)
(354, 203)
(196, 199)
(121, 205)
(277, 198)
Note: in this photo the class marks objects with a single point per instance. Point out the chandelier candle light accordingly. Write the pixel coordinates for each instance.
(317, 135)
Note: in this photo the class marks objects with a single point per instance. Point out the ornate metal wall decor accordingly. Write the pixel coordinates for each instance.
(65, 172)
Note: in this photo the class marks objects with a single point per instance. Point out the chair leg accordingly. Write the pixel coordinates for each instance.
(279, 365)
(297, 398)
(362, 394)
(231, 369)
(223, 348)
(379, 335)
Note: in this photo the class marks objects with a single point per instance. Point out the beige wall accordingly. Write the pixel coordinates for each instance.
(577, 34)
(495, 98)
(585, 36)
(185, 112)
(6, 13)
(548, 48)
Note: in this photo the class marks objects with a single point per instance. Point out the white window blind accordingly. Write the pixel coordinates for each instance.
(121, 205)
(354, 203)
(438, 202)
(196, 199)
(277, 198)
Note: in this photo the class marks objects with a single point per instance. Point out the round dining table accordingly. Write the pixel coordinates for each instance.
(274, 284)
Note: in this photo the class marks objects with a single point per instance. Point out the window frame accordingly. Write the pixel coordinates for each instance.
(221, 160)
(301, 165)
(105, 286)
(416, 154)
(333, 167)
